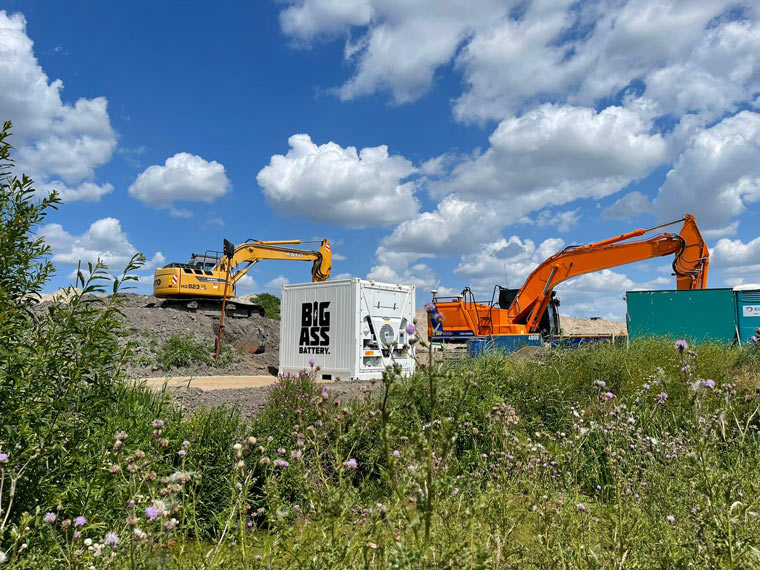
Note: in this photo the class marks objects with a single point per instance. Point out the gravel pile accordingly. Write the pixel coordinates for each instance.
(150, 326)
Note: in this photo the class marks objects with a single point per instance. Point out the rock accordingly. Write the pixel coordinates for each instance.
(244, 336)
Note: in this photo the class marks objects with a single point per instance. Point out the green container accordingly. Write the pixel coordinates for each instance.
(705, 315)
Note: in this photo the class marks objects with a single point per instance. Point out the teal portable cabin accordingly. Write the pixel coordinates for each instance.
(704, 315)
(747, 311)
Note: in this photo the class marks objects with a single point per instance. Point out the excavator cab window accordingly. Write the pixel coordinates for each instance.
(206, 261)
(506, 296)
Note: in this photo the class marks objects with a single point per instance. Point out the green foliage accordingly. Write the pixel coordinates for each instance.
(270, 303)
(178, 351)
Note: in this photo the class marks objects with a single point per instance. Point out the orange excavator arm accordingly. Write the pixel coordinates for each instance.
(690, 265)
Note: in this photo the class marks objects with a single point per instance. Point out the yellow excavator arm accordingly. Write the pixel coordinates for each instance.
(205, 275)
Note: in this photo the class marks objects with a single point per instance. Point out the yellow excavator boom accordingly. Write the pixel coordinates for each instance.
(204, 276)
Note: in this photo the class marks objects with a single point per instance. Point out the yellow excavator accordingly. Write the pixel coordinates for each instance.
(199, 285)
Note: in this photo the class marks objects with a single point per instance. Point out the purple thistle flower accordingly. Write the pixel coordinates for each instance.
(112, 539)
(281, 451)
(681, 345)
(645, 387)
(430, 307)
(709, 383)
(396, 453)
(297, 507)
(151, 513)
(77, 534)
(181, 453)
(295, 454)
(312, 362)
(455, 491)
(609, 396)
(49, 518)
(80, 521)
(351, 463)
(325, 395)
(3, 458)
(661, 397)
(410, 329)
(249, 524)
(600, 383)
(281, 463)
(581, 508)
(671, 519)
(185, 443)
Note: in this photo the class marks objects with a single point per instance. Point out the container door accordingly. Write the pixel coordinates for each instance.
(748, 309)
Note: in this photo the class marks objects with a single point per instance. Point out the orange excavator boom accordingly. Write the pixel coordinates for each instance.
(523, 315)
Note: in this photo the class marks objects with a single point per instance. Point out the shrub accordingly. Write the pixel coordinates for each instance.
(270, 303)
(178, 351)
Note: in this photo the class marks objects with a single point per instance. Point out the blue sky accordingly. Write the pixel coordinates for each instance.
(439, 143)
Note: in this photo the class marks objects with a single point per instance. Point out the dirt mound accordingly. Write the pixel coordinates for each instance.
(60, 295)
(571, 325)
(150, 327)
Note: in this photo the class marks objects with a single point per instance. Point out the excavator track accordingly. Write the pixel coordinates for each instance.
(211, 307)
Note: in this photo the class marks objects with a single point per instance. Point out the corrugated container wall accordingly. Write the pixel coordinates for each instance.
(702, 315)
(351, 329)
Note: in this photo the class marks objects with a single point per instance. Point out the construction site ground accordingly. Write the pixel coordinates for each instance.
(241, 379)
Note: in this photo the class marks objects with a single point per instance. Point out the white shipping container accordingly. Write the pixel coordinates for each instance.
(352, 329)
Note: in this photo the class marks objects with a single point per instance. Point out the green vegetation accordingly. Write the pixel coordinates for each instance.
(601, 457)
(270, 303)
(178, 351)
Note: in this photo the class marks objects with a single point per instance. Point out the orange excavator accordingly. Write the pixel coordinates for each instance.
(532, 309)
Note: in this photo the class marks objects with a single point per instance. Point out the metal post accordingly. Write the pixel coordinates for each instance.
(229, 252)
(221, 317)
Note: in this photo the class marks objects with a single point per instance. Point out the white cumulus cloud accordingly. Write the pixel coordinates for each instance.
(629, 206)
(104, 240)
(338, 185)
(183, 177)
(513, 54)
(555, 154)
(455, 226)
(717, 175)
(57, 143)
(420, 275)
(277, 282)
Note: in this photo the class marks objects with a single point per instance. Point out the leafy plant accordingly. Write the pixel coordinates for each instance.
(178, 351)
(270, 303)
